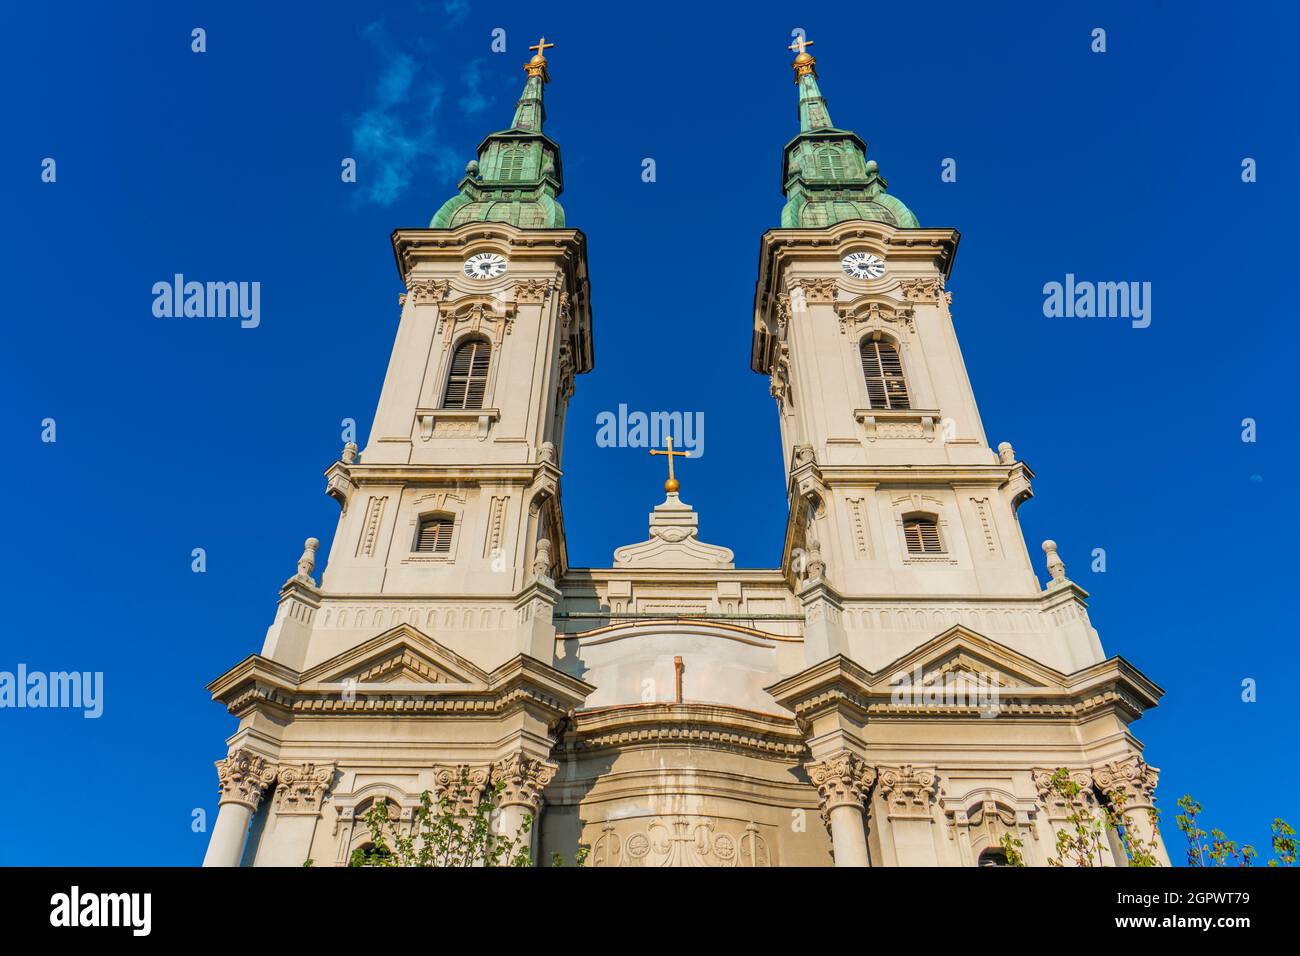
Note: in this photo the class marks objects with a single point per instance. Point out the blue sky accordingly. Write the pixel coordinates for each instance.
(174, 434)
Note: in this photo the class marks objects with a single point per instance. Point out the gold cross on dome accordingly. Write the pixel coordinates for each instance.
(541, 47)
(800, 44)
(672, 484)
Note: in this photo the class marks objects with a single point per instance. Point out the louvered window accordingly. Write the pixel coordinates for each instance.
(467, 383)
(830, 164)
(435, 535)
(922, 535)
(883, 370)
(512, 163)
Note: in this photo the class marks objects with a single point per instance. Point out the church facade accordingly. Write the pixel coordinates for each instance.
(897, 693)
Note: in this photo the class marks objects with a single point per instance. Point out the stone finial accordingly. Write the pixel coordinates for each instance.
(542, 561)
(307, 563)
(1006, 454)
(350, 453)
(1055, 566)
(546, 452)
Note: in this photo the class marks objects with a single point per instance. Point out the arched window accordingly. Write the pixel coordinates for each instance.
(434, 536)
(883, 370)
(512, 163)
(922, 534)
(830, 164)
(993, 858)
(467, 382)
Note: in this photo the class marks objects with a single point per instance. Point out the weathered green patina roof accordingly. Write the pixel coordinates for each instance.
(825, 174)
(517, 174)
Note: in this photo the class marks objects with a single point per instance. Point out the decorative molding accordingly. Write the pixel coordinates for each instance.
(861, 536)
(370, 530)
(243, 777)
(868, 312)
(300, 788)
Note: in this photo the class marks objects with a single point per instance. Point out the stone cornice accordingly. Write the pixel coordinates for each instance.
(257, 683)
(1043, 693)
(689, 724)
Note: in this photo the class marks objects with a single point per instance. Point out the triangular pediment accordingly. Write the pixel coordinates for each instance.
(403, 654)
(960, 651)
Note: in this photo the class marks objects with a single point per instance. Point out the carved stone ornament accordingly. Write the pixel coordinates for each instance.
(300, 788)
(243, 778)
(1133, 777)
(531, 291)
(842, 779)
(924, 290)
(680, 841)
(875, 313)
(525, 778)
(909, 791)
(1059, 807)
(427, 291)
(818, 290)
(466, 782)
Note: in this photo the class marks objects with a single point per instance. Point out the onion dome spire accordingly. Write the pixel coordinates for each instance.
(825, 174)
(518, 173)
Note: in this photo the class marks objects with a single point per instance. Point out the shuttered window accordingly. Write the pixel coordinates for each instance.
(467, 382)
(830, 164)
(512, 163)
(922, 534)
(883, 371)
(435, 535)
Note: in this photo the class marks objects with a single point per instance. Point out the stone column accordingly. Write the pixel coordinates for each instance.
(1134, 782)
(243, 777)
(299, 792)
(844, 781)
(524, 779)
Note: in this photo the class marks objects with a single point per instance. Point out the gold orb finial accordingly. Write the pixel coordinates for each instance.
(804, 62)
(671, 485)
(537, 65)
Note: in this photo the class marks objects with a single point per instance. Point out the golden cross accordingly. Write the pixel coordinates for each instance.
(800, 44)
(672, 484)
(541, 47)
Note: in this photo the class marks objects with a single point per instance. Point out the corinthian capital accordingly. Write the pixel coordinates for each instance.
(300, 788)
(1057, 800)
(909, 790)
(243, 777)
(461, 782)
(524, 778)
(1132, 776)
(842, 779)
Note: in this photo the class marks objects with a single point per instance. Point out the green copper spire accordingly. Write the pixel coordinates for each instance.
(517, 174)
(825, 174)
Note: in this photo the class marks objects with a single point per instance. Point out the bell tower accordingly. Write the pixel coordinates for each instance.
(894, 489)
(457, 490)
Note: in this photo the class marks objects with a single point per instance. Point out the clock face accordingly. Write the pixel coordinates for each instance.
(485, 265)
(863, 265)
